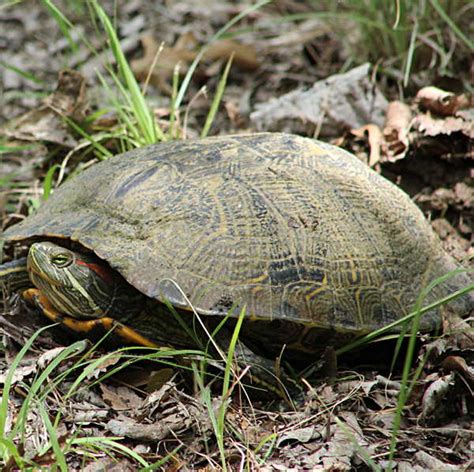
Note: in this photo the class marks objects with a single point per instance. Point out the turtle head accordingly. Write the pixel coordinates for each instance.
(78, 285)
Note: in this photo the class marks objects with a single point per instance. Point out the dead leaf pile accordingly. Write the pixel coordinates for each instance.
(434, 114)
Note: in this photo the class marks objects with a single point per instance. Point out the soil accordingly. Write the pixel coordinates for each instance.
(342, 420)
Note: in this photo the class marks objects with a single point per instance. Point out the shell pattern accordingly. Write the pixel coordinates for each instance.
(290, 228)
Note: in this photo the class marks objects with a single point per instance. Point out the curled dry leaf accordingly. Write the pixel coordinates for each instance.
(347, 437)
(102, 366)
(46, 357)
(396, 129)
(458, 364)
(69, 98)
(181, 419)
(375, 138)
(120, 398)
(440, 101)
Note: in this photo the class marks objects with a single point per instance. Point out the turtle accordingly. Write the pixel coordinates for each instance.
(298, 238)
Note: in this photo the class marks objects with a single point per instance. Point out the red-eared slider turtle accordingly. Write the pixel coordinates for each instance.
(313, 244)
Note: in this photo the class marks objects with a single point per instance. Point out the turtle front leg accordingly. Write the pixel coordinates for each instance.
(130, 336)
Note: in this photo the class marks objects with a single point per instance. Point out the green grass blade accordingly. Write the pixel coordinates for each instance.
(217, 99)
(102, 152)
(439, 9)
(9, 379)
(64, 24)
(150, 129)
(230, 353)
(410, 54)
(43, 380)
(53, 438)
(162, 462)
(224, 29)
(48, 181)
(7, 450)
(23, 73)
(109, 443)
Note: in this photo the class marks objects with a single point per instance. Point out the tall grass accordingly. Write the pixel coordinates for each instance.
(401, 36)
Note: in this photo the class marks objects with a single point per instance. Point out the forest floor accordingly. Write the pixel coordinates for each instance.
(398, 100)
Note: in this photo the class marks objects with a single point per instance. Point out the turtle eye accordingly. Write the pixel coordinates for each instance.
(61, 260)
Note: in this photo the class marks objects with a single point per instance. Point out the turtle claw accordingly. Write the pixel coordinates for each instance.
(130, 336)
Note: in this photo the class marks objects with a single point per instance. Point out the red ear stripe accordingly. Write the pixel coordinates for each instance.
(101, 271)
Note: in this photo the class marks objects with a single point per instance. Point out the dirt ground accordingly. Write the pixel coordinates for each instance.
(291, 72)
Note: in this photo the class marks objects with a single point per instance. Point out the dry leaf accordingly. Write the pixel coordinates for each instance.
(431, 463)
(435, 394)
(301, 435)
(442, 102)
(429, 126)
(458, 364)
(46, 123)
(395, 131)
(458, 331)
(20, 373)
(166, 58)
(335, 104)
(375, 138)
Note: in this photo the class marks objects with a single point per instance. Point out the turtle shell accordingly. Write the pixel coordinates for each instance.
(288, 227)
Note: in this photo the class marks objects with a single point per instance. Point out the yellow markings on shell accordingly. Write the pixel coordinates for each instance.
(359, 310)
(315, 149)
(258, 279)
(320, 288)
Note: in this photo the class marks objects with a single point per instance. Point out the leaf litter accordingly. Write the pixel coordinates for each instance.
(336, 425)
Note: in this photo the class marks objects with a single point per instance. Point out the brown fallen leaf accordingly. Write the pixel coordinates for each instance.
(442, 102)
(172, 424)
(299, 435)
(20, 373)
(396, 129)
(69, 98)
(158, 61)
(46, 122)
(458, 364)
(375, 139)
(120, 398)
(430, 126)
(347, 437)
